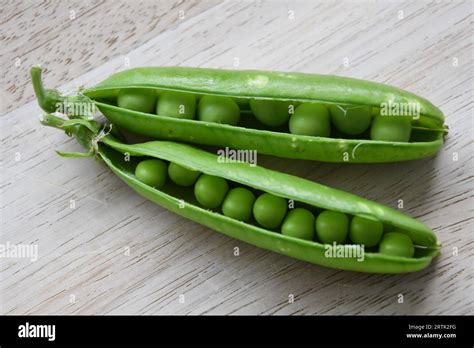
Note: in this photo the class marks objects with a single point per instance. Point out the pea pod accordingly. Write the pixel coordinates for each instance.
(109, 149)
(353, 104)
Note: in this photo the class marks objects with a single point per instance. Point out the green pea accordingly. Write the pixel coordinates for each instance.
(210, 191)
(152, 172)
(238, 204)
(391, 128)
(396, 244)
(299, 223)
(332, 226)
(272, 113)
(182, 176)
(137, 99)
(312, 120)
(219, 110)
(365, 231)
(177, 105)
(269, 210)
(351, 120)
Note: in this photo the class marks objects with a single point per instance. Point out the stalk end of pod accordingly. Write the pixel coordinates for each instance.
(445, 130)
(47, 98)
(87, 133)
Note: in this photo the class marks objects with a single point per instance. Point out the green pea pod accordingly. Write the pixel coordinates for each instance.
(427, 127)
(114, 154)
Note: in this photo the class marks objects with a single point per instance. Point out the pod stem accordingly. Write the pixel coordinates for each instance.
(48, 99)
(53, 121)
(88, 133)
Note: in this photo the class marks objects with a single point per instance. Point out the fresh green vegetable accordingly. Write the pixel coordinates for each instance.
(270, 98)
(332, 226)
(276, 189)
(137, 99)
(219, 110)
(152, 172)
(210, 191)
(311, 119)
(181, 175)
(272, 113)
(238, 204)
(351, 120)
(177, 105)
(299, 223)
(396, 244)
(391, 128)
(365, 231)
(269, 210)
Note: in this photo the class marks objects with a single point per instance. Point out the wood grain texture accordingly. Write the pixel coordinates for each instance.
(115, 253)
(79, 35)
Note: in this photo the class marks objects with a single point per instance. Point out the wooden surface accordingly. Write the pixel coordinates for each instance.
(105, 250)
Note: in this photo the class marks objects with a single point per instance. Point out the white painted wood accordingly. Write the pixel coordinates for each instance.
(425, 47)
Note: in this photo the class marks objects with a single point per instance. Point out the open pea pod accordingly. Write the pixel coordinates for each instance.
(123, 160)
(292, 115)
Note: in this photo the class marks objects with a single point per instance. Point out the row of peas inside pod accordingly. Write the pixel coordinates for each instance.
(271, 212)
(300, 118)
